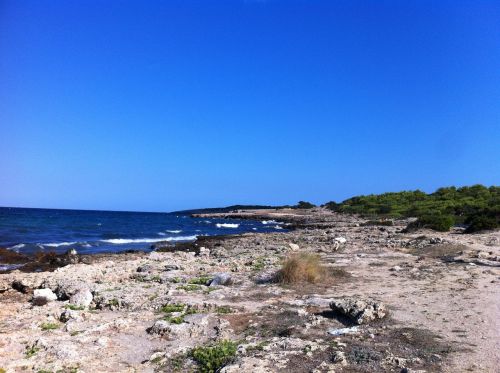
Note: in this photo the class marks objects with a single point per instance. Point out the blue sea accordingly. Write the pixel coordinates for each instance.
(89, 232)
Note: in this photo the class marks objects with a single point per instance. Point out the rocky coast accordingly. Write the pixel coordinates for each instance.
(423, 301)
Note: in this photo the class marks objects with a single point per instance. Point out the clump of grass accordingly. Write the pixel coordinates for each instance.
(211, 359)
(223, 309)
(173, 307)
(258, 264)
(302, 267)
(49, 326)
(189, 287)
(114, 302)
(202, 280)
(175, 319)
(74, 307)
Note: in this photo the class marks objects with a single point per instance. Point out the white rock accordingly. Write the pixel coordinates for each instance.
(43, 296)
(294, 246)
(81, 298)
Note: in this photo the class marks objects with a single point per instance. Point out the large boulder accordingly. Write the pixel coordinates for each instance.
(361, 311)
(221, 279)
(81, 298)
(43, 296)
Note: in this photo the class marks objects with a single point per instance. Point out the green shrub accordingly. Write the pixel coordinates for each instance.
(481, 223)
(440, 223)
(211, 359)
(304, 205)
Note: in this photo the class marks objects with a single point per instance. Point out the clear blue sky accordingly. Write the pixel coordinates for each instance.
(164, 105)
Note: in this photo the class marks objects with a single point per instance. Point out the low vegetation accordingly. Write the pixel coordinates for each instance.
(211, 359)
(301, 267)
(49, 326)
(477, 207)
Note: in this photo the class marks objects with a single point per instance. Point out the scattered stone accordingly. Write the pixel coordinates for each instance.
(204, 252)
(68, 315)
(294, 246)
(172, 267)
(160, 327)
(359, 310)
(43, 296)
(339, 357)
(145, 268)
(342, 331)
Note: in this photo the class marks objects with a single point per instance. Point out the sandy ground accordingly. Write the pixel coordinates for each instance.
(441, 291)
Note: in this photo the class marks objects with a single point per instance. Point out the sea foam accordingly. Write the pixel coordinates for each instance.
(227, 225)
(122, 241)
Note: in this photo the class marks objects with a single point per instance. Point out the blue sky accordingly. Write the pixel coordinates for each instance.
(163, 105)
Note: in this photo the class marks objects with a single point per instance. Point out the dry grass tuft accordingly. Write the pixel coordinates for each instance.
(302, 267)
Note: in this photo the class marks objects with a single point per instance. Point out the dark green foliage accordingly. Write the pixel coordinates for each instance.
(487, 219)
(441, 223)
(211, 359)
(476, 206)
(304, 205)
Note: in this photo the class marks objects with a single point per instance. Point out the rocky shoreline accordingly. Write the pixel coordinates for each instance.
(395, 302)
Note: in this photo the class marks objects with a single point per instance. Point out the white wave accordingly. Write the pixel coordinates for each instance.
(207, 221)
(277, 227)
(122, 241)
(266, 222)
(57, 244)
(17, 247)
(227, 225)
(161, 234)
(175, 231)
(254, 229)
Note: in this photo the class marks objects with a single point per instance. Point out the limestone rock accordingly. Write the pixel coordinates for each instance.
(361, 311)
(43, 296)
(82, 298)
(221, 279)
(160, 327)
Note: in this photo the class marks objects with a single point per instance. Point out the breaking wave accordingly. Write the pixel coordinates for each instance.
(227, 225)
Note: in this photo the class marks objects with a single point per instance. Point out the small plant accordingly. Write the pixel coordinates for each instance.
(175, 319)
(223, 309)
(303, 267)
(189, 287)
(49, 326)
(176, 280)
(211, 359)
(74, 307)
(75, 332)
(174, 307)
(202, 280)
(31, 351)
(258, 264)
(114, 302)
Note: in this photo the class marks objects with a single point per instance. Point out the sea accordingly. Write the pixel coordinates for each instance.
(30, 230)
